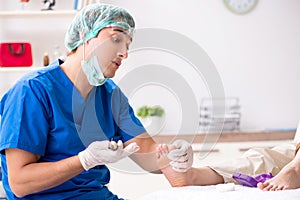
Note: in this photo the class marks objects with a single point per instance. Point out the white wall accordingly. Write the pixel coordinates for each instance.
(255, 54)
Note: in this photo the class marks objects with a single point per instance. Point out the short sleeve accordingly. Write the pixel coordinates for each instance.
(24, 121)
(128, 124)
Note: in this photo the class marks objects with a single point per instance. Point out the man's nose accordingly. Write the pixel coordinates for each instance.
(123, 55)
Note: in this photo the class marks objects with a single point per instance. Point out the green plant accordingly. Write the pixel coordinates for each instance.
(146, 111)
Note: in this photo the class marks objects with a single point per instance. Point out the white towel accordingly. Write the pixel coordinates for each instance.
(211, 193)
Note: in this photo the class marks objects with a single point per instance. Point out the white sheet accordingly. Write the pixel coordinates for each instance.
(211, 193)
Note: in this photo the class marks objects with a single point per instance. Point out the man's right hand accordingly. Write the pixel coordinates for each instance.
(100, 153)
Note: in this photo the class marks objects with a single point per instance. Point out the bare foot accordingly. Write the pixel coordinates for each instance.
(176, 179)
(288, 178)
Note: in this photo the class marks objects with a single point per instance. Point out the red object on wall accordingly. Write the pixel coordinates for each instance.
(15, 55)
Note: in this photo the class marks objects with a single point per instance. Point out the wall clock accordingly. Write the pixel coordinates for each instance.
(240, 6)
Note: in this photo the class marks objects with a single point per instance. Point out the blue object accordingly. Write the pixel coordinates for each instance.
(44, 114)
(250, 181)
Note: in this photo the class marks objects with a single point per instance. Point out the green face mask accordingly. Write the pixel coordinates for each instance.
(93, 72)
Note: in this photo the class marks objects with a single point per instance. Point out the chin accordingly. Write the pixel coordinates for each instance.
(109, 75)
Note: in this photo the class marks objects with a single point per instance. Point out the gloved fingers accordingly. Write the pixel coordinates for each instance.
(182, 163)
(119, 150)
(176, 153)
(179, 164)
(113, 145)
(183, 158)
(180, 149)
(116, 146)
(181, 144)
(120, 144)
(176, 143)
(180, 169)
(131, 148)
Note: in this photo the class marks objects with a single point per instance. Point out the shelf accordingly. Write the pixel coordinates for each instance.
(52, 13)
(18, 69)
(230, 136)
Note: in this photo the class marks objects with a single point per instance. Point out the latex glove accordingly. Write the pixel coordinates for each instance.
(100, 153)
(181, 155)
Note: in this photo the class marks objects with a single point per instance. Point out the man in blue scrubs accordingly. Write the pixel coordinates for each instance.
(61, 125)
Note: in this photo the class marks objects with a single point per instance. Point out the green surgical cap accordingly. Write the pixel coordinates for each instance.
(92, 19)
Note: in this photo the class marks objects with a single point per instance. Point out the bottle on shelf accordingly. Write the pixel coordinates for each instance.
(46, 59)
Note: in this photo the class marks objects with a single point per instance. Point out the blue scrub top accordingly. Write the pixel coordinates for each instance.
(43, 113)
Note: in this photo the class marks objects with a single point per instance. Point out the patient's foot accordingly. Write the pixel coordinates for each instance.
(176, 179)
(288, 178)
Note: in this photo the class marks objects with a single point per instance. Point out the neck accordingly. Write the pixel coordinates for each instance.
(72, 69)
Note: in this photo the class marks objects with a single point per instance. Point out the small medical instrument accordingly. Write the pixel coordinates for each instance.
(112, 145)
(250, 181)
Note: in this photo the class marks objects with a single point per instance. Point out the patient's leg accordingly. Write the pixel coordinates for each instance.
(194, 176)
(287, 178)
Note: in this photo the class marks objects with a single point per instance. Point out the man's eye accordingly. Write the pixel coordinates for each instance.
(116, 39)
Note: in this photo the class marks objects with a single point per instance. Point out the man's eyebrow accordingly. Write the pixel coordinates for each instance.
(121, 31)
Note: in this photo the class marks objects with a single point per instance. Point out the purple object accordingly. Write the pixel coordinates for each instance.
(249, 181)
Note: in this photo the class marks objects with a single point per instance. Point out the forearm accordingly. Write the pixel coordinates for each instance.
(146, 157)
(36, 177)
